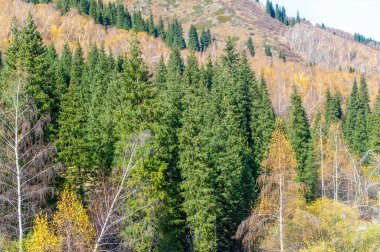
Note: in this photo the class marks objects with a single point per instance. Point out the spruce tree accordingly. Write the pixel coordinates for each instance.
(374, 126)
(151, 27)
(250, 47)
(262, 122)
(27, 53)
(71, 143)
(161, 29)
(300, 137)
(193, 42)
(355, 125)
(333, 109)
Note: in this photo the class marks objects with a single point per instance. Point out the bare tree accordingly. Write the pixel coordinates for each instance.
(107, 208)
(24, 159)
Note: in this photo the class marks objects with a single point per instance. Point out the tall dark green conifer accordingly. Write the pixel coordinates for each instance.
(72, 118)
(374, 126)
(333, 108)
(355, 125)
(250, 47)
(300, 139)
(262, 121)
(193, 42)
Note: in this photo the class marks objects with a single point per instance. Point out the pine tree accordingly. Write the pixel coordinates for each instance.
(193, 42)
(228, 151)
(138, 23)
(161, 29)
(374, 126)
(262, 121)
(333, 109)
(197, 185)
(151, 27)
(267, 50)
(72, 118)
(300, 137)
(269, 9)
(298, 19)
(63, 6)
(250, 47)
(27, 54)
(355, 125)
(174, 37)
(205, 39)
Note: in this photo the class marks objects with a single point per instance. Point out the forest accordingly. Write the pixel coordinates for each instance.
(103, 153)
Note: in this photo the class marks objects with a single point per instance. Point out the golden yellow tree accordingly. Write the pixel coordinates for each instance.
(42, 239)
(280, 194)
(72, 223)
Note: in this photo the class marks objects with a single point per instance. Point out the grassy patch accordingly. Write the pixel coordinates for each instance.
(203, 25)
(224, 19)
(219, 12)
(235, 39)
(197, 8)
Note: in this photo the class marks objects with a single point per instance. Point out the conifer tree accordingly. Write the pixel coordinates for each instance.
(374, 126)
(193, 43)
(333, 109)
(205, 39)
(27, 53)
(355, 125)
(262, 121)
(151, 27)
(65, 60)
(72, 118)
(250, 47)
(300, 137)
(161, 29)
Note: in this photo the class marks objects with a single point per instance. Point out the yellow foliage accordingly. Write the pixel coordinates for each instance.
(42, 239)
(54, 31)
(72, 223)
(326, 225)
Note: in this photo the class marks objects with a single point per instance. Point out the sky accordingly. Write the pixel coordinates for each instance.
(354, 16)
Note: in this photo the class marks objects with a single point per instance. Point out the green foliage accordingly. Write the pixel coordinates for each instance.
(374, 126)
(205, 39)
(193, 42)
(262, 121)
(300, 139)
(174, 37)
(355, 127)
(269, 9)
(282, 56)
(333, 108)
(27, 54)
(250, 47)
(267, 50)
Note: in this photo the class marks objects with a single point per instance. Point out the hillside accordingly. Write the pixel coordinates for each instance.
(185, 126)
(303, 44)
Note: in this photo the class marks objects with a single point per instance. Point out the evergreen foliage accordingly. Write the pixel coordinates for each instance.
(333, 108)
(374, 126)
(193, 43)
(355, 125)
(300, 139)
(205, 39)
(250, 47)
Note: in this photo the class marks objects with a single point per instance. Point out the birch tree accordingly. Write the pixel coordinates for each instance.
(25, 170)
